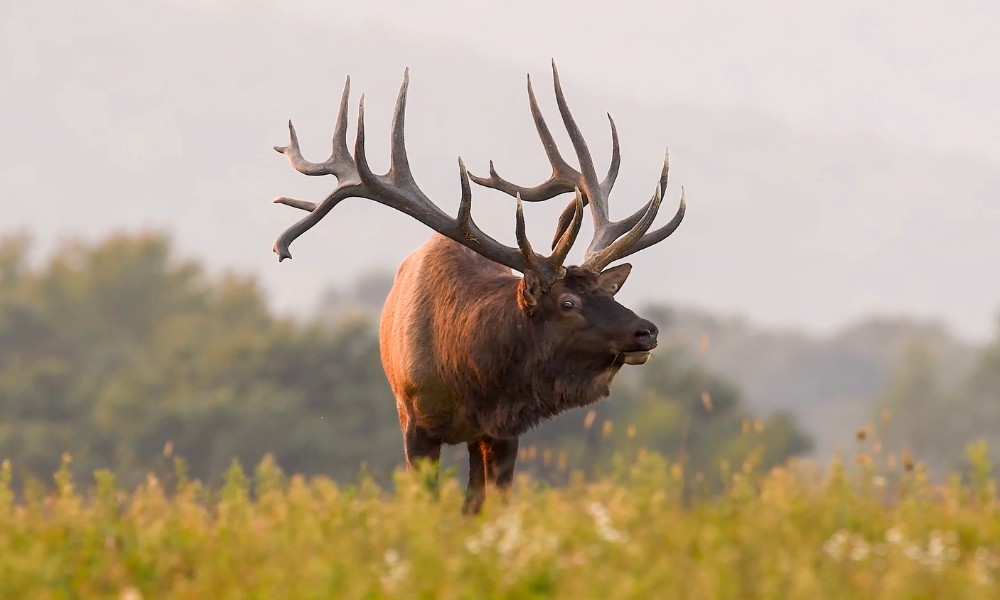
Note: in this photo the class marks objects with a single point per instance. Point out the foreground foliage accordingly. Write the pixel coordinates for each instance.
(789, 533)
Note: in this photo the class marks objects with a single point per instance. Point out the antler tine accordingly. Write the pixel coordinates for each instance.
(660, 234)
(632, 219)
(340, 129)
(563, 177)
(590, 185)
(616, 160)
(465, 223)
(561, 170)
(530, 258)
(360, 157)
(339, 164)
(598, 259)
(566, 217)
(563, 243)
(550, 188)
(399, 165)
(631, 222)
(305, 223)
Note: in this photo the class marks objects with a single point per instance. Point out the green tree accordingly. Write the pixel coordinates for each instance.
(937, 422)
(918, 406)
(119, 353)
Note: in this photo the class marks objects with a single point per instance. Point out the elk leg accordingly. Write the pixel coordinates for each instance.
(500, 462)
(475, 494)
(421, 447)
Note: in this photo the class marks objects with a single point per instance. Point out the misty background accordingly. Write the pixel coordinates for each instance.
(840, 161)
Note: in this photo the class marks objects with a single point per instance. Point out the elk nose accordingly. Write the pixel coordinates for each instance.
(646, 332)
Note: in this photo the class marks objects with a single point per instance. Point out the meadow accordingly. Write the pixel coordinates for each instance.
(855, 529)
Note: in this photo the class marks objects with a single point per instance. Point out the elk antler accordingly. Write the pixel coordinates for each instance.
(398, 190)
(612, 239)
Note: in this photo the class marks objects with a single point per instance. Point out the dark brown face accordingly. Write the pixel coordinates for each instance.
(588, 323)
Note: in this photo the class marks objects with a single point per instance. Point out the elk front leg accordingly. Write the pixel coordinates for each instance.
(500, 461)
(491, 463)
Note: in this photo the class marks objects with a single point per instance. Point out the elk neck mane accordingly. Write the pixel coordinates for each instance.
(502, 359)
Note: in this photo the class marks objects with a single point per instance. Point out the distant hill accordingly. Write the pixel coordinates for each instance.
(830, 383)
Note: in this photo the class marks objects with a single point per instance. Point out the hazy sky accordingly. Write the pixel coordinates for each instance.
(820, 143)
(919, 72)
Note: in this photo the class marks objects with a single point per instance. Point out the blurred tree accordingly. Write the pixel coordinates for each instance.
(118, 353)
(936, 422)
(916, 402)
(978, 417)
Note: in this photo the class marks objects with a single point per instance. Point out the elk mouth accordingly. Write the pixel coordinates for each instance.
(635, 357)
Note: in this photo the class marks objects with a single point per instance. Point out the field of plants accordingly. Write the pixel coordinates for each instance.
(858, 529)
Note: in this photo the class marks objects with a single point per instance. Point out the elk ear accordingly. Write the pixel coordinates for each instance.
(529, 293)
(614, 278)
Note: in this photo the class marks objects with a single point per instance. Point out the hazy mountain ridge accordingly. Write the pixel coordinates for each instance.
(832, 384)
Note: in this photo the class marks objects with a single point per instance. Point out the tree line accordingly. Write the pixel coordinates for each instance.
(124, 355)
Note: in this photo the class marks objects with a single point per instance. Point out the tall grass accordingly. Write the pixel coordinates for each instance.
(852, 531)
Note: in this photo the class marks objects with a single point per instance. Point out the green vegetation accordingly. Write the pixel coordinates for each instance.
(787, 533)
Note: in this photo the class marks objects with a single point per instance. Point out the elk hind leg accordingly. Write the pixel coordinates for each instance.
(423, 452)
(418, 445)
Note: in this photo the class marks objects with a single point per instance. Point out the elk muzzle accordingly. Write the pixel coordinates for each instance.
(642, 343)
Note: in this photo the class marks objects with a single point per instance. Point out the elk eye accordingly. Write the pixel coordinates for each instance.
(567, 305)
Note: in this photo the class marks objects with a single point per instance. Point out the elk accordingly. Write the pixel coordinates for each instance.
(473, 353)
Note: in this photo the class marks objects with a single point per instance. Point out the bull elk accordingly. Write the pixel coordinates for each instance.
(472, 352)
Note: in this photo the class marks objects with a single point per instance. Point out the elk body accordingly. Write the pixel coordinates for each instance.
(475, 354)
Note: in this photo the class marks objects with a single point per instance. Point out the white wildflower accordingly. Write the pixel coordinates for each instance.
(935, 545)
(836, 546)
(510, 538)
(913, 552)
(602, 523)
(396, 569)
(474, 545)
(982, 566)
(894, 536)
(860, 548)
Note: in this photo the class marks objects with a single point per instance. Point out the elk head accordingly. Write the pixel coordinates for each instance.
(587, 322)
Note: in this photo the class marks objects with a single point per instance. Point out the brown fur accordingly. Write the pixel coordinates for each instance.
(475, 355)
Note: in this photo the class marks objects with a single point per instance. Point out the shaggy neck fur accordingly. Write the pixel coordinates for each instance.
(522, 377)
